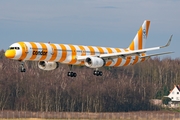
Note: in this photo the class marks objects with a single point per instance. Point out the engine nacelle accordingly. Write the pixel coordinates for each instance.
(94, 62)
(44, 65)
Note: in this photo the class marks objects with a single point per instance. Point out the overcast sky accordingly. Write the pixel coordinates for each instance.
(111, 23)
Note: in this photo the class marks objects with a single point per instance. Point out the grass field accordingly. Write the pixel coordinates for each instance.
(91, 119)
(139, 115)
(36, 119)
(30, 119)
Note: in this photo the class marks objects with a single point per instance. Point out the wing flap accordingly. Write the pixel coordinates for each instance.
(156, 54)
(128, 53)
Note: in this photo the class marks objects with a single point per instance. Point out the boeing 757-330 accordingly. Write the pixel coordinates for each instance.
(49, 55)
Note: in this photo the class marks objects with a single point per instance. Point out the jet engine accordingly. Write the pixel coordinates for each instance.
(44, 65)
(94, 62)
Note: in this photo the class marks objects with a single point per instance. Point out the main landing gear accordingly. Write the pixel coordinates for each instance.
(97, 72)
(22, 68)
(71, 74)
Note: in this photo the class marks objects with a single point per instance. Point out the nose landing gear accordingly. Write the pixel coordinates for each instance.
(22, 68)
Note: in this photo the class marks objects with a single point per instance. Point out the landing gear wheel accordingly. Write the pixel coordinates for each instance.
(100, 73)
(23, 70)
(74, 74)
(71, 74)
(97, 73)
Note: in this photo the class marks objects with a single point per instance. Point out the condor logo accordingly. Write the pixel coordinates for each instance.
(39, 53)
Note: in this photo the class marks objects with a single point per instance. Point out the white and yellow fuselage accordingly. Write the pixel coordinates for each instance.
(49, 54)
(65, 53)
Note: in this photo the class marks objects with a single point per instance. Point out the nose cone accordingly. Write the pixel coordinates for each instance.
(10, 53)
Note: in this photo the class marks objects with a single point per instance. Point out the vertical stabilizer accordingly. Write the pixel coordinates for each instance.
(141, 36)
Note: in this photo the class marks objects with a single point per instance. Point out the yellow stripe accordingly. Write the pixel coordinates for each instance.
(136, 60)
(143, 59)
(83, 53)
(100, 50)
(128, 59)
(91, 50)
(147, 27)
(54, 52)
(140, 39)
(109, 62)
(119, 60)
(34, 47)
(44, 48)
(132, 45)
(117, 49)
(64, 53)
(24, 49)
(73, 49)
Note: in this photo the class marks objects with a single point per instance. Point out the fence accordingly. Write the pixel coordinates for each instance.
(143, 115)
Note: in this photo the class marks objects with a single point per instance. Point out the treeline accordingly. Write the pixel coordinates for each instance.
(119, 89)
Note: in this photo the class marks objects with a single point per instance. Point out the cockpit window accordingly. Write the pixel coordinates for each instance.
(14, 48)
(11, 48)
(17, 48)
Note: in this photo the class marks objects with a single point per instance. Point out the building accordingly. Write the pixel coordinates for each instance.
(174, 95)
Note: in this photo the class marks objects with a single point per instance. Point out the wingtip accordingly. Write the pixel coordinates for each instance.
(169, 40)
(168, 43)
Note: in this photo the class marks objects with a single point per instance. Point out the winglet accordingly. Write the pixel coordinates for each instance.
(168, 43)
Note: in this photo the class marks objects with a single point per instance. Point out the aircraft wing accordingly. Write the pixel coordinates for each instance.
(131, 53)
(137, 52)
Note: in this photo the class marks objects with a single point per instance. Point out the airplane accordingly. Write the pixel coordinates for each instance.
(49, 55)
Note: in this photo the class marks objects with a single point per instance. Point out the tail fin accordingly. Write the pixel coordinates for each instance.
(140, 38)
